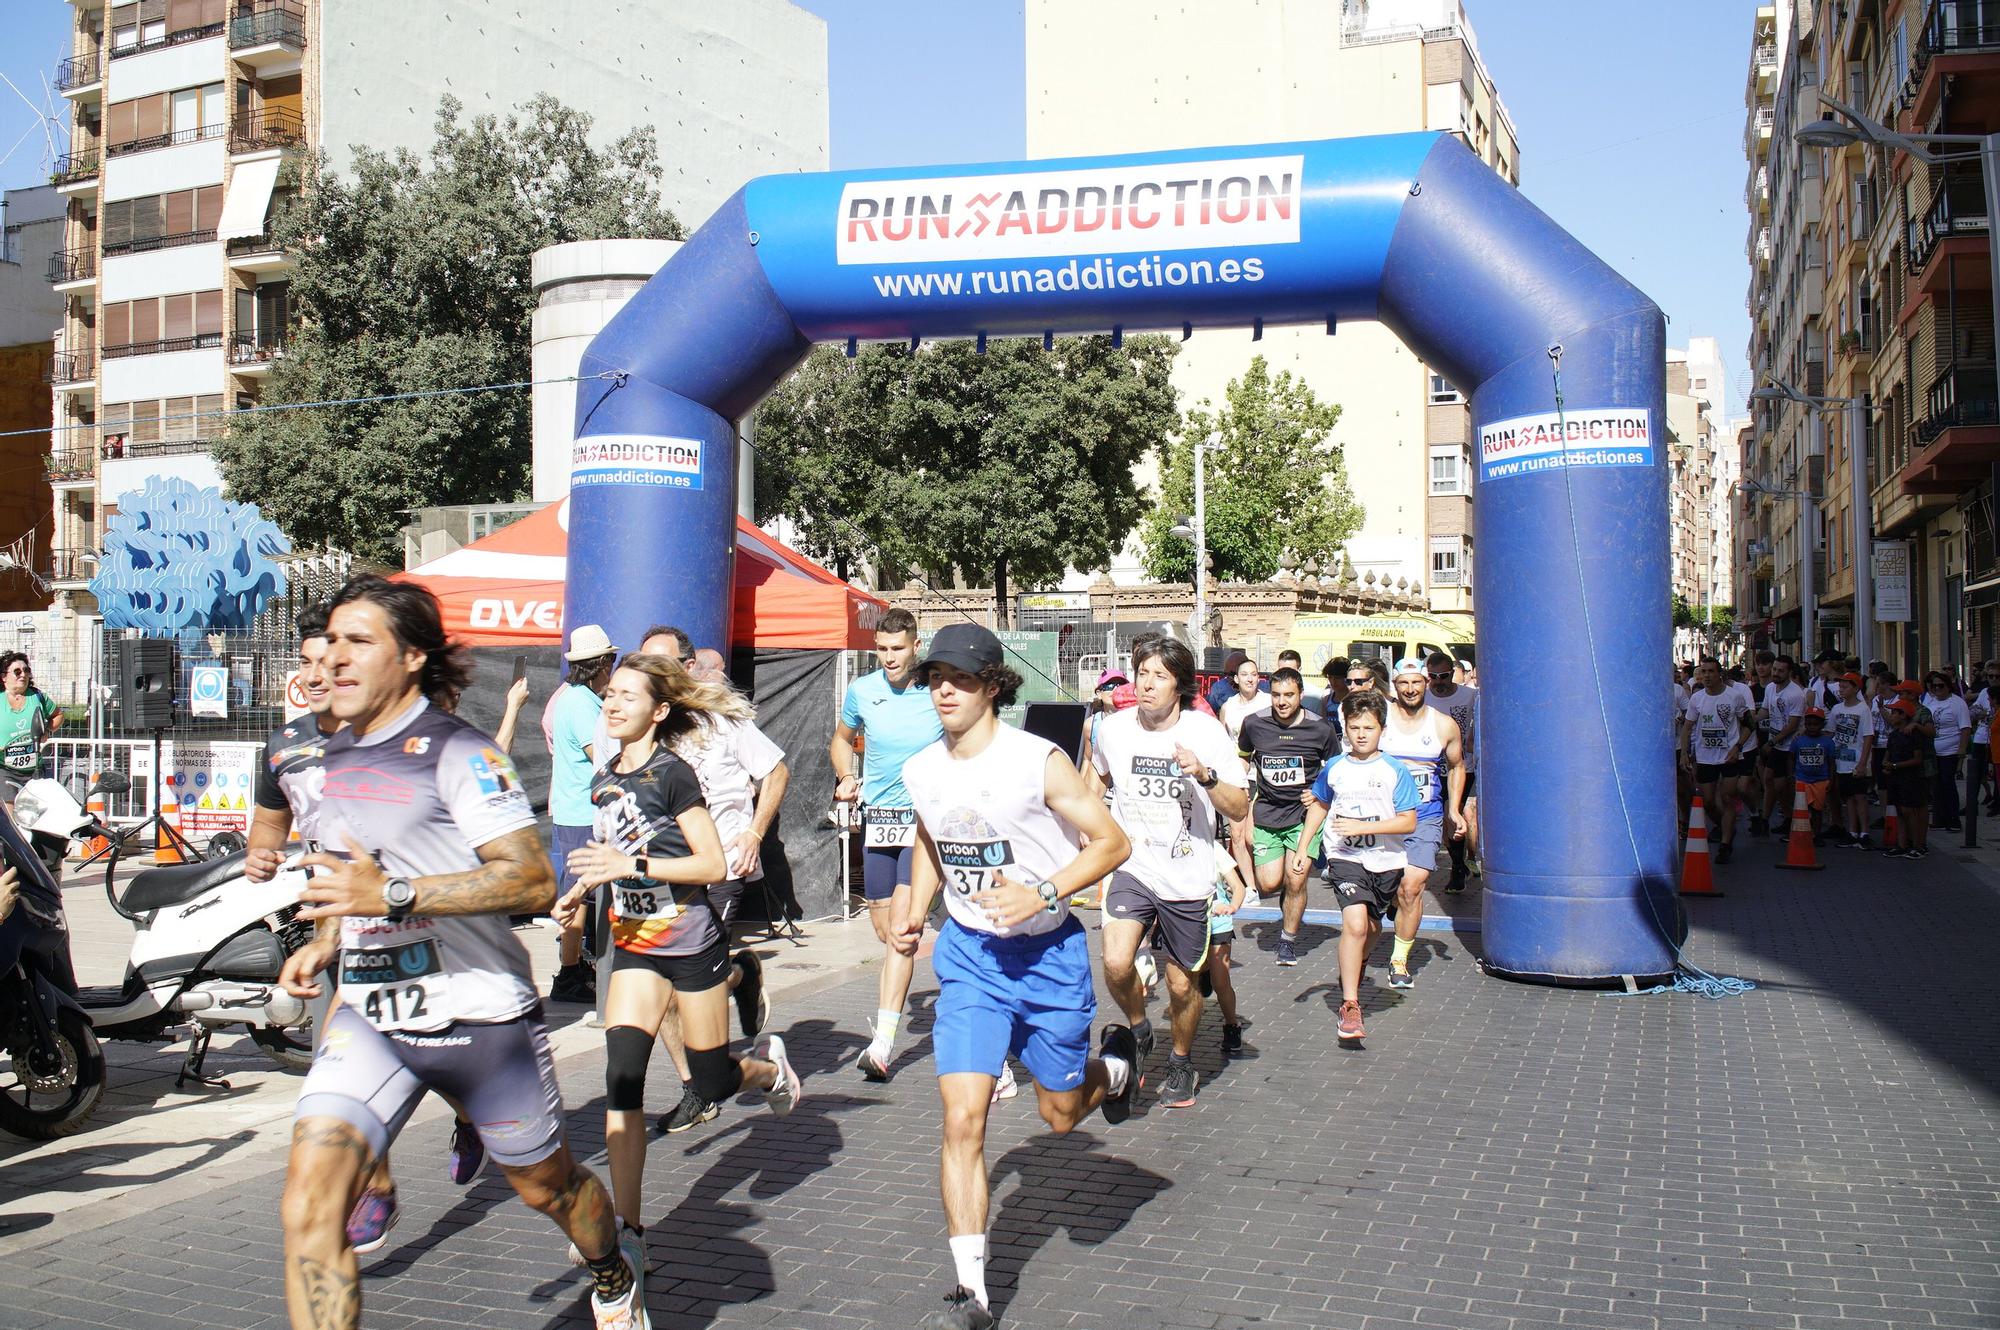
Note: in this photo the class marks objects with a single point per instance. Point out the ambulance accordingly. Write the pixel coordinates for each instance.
(1318, 638)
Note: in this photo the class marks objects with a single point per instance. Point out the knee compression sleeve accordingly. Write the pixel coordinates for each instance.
(626, 1052)
(714, 1074)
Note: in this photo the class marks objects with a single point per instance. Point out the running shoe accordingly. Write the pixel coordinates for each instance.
(874, 1067)
(1894, 852)
(1723, 850)
(1918, 854)
(753, 1004)
(1117, 1042)
(1862, 842)
(691, 1111)
(1004, 1085)
(629, 1312)
(1143, 1036)
(1400, 976)
(1177, 1091)
(1349, 1025)
(573, 983)
(1288, 953)
(783, 1097)
(468, 1152)
(369, 1222)
(961, 1311)
(1232, 1039)
(1455, 885)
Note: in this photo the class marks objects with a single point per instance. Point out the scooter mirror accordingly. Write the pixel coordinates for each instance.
(114, 782)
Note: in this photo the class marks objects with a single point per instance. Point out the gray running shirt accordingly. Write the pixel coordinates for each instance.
(422, 794)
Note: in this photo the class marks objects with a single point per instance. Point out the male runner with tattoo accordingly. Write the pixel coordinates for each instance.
(431, 846)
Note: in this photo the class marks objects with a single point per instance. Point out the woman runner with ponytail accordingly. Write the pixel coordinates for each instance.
(654, 844)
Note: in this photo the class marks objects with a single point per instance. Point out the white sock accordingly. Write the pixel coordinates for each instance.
(968, 1253)
(1289, 937)
(886, 1022)
(1117, 1071)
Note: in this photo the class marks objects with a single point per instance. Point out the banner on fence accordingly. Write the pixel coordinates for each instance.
(214, 787)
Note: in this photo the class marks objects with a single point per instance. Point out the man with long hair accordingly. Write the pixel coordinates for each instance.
(430, 844)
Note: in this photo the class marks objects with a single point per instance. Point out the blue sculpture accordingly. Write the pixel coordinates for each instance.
(180, 561)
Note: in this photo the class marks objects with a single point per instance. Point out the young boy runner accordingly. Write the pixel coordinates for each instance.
(1373, 800)
(1813, 758)
(998, 811)
(1907, 787)
(1852, 728)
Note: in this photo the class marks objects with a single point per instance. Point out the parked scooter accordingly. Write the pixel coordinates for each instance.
(209, 944)
(55, 1078)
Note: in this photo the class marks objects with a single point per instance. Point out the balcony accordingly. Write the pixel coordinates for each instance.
(76, 169)
(164, 346)
(70, 266)
(70, 468)
(257, 254)
(81, 76)
(71, 369)
(270, 37)
(149, 244)
(273, 127)
(181, 38)
(1761, 248)
(70, 568)
(170, 139)
(1959, 436)
(1957, 43)
(251, 353)
(1757, 132)
(120, 447)
(1956, 222)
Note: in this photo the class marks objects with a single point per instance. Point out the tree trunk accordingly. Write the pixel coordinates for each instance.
(1001, 607)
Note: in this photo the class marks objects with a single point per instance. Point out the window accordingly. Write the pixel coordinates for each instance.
(1446, 554)
(1442, 393)
(1448, 468)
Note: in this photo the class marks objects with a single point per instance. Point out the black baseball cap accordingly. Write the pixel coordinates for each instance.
(965, 646)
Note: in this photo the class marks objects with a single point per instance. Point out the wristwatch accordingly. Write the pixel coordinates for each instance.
(399, 894)
(640, 868)
(1051, 898)
(1208, 782)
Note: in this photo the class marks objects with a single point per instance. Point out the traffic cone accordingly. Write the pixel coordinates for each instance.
(165, 849)
(1799, 849)
(1697, 875)
(99, 810)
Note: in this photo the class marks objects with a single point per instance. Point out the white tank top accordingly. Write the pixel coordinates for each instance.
(989, 814)
(1422, 751)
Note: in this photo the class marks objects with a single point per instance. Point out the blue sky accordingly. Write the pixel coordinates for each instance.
(1630, 116)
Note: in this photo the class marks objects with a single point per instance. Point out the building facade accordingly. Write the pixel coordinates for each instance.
(31, 230)
(1125, 76)
(1877, 291)
(184, 113)
(1702, 475)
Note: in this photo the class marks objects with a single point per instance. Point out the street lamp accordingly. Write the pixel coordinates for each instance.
(1808, 600)
(1858, 128)
(1195, 529)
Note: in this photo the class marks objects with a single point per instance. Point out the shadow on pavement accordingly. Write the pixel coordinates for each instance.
(80, 1165)
(1065, 1183)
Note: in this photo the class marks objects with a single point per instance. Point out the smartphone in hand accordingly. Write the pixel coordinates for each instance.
(520, 668)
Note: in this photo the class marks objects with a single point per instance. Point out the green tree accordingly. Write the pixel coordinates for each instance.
(1013, 465)
(413, 275)
(1277, 482)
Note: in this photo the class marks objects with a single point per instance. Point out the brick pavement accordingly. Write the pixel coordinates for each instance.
(1818, 1153)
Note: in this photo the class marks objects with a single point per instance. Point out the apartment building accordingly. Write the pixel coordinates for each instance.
(1126, 75)
(1697, 468)
(1890, 271)
(185, 112)
(31, 224)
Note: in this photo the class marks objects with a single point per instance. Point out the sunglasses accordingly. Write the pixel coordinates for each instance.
(1440, 674)
(1354, 680)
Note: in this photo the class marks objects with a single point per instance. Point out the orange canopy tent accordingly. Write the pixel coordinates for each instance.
(507, 590)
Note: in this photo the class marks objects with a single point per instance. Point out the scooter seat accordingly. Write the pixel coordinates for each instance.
(157, 888)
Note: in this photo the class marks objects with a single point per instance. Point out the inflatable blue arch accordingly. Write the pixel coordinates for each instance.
(1563, 361)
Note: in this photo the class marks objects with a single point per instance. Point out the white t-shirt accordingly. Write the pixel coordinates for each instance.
(1750, 696)
(1374, 791)
(1167, 817)
(729, 757)
(1982, 716)
(990, 814)
(1239, 709)
(1847, 724)
(1952, 716)
(1463, 708)
(1785, 704)
(1717, 722)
